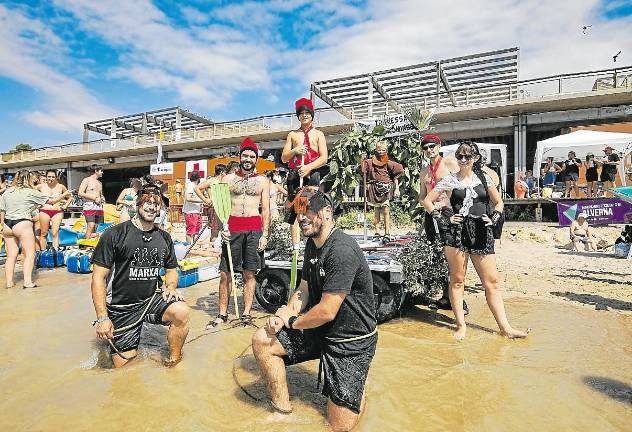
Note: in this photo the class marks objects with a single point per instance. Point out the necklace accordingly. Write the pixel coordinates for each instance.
(146, 238)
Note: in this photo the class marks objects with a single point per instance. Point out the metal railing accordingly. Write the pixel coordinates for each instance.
(531, 89)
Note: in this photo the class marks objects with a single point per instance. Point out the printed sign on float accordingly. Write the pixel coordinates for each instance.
(600, 211)
(161, 169)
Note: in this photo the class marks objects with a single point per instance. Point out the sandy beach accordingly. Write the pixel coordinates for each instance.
(53, 370)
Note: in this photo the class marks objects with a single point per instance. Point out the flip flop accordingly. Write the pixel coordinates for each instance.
(219, 319)
(29, 286)
(246, 319)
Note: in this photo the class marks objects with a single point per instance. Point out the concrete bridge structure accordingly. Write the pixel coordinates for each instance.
(527, 112)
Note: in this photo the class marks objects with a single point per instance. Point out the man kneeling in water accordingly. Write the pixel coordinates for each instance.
(338, 323)
(135, 252)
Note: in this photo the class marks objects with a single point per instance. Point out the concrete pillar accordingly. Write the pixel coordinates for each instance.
(86, 134)
(113, 133)
(370, 95)
(520, 144)
(178, 124)
(438, 88)
(74, 176)
(145, 130)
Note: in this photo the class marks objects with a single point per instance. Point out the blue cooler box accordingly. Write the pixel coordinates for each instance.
(186, 278)
(79, 264)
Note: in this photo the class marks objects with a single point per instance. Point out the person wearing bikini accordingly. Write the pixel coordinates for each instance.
(247, 231)
(126, 201)
(51, 216)
(428, 179)
(305, 152)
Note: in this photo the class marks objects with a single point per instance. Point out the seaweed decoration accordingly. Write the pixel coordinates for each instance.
(425, 269)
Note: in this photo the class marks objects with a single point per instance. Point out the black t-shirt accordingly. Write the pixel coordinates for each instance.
(611, 169)
(570, 167)
(136, 257)
(340, 267)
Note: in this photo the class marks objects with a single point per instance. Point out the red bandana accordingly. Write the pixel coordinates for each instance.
(433, 172)
(381, 161)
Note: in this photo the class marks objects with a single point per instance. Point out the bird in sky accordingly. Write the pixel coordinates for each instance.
(586, 27)
(614, 57)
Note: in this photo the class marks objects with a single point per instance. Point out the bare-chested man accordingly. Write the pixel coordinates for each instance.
(91, 192)
(428, 178)
(305, 152)
(247, 229)
(51, 215)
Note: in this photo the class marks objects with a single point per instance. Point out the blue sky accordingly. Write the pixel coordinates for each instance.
(65, 62)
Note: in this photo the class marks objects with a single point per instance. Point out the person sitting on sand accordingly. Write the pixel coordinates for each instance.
(135, 252)
(470, 234)
(581, 234)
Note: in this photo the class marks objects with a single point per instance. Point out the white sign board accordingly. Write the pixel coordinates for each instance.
(161, 169)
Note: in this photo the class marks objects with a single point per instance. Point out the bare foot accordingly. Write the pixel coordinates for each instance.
(171, 362)
(515, 334)
(277, 417)
(459, 334)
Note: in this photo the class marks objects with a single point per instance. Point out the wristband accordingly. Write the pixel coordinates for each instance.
(100, 320)
(290, 321)
(496, 215)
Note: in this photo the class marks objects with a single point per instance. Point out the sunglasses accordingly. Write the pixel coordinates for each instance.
(464, 157)
(429, 146)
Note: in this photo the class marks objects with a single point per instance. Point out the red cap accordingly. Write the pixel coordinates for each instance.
(249, 144)
(302, 104)
(431, 138)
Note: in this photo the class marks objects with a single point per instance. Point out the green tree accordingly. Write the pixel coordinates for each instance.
(21, 147)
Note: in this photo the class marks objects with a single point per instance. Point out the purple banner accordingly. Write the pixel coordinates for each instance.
(600, 211)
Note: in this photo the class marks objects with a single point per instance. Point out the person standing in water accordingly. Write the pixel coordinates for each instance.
(435, 228)
(382, 184)
(91, 192)
(330, 317)
(126, 201)
(247, 231)
(469, 234)
(305, 152)
(17, 205)
(51, 216)
(133, 254)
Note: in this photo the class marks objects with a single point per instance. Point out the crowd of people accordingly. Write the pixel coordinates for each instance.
(332, 314)
(600, 175)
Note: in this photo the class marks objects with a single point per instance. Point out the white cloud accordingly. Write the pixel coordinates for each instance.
(30, 54)
(403, 32)
(205, 67)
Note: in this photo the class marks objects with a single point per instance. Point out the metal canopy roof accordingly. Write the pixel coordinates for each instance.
(149, 122)
(473, 79)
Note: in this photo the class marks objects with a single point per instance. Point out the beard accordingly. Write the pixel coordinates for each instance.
(247, 166)
(146, 216)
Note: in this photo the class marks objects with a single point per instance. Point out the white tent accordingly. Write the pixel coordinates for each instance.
(449, 150)
(583, 142)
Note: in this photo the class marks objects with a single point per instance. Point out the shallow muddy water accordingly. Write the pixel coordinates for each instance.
(572, 373)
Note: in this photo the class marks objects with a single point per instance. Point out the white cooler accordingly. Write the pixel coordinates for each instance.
(208, 271)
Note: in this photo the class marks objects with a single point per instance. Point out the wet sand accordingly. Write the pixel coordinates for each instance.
(572, 373)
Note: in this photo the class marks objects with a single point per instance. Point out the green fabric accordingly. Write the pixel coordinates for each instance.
(20, 203)
(386, 203)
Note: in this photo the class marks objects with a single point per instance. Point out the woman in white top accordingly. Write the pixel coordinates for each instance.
(17, 206)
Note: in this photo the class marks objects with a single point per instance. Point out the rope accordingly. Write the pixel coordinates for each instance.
(243, 389)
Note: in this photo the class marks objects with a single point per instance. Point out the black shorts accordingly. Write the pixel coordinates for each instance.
(571, 177)
(608, 176)
(345, 365)
(13, 222)
(313, 179)
(471, 236)
(591, 175)
(132, 315)
(433, 227)
(243, 247)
